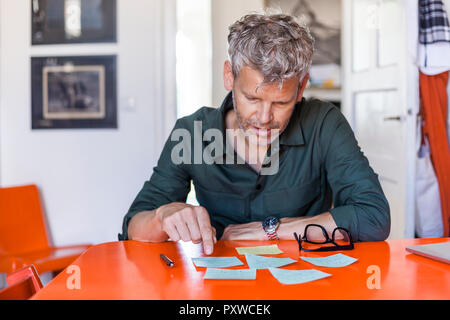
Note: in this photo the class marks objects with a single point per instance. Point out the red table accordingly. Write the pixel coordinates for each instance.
(134, 270)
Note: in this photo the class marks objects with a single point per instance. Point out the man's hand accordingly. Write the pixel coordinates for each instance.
(247, 231)
(185, 222)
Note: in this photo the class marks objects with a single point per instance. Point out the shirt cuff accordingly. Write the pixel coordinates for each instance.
(126, 220)
(345, 217)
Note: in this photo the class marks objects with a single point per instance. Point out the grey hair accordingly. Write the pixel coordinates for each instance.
(274, 44)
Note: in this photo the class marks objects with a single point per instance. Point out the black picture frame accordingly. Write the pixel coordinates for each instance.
(74, 92)
(73, 21)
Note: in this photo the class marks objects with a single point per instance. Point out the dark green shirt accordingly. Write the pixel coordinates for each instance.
(321, 168)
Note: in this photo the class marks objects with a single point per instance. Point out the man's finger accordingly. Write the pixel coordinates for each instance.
(192, 224)
(172, 233)
(205, 229)
(214, 234)
(182, 229)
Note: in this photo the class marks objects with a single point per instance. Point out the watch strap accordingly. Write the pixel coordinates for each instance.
(272, 235)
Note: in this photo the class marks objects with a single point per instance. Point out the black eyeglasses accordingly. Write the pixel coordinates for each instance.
(313, 229)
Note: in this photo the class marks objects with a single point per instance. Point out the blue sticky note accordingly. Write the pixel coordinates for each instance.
(297, 276)
(230, 274)
(217, 262)
(258, 262)
(335, 260)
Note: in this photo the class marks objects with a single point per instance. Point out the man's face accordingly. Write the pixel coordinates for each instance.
(262, 110)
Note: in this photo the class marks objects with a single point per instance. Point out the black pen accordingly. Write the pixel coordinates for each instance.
(168, 262)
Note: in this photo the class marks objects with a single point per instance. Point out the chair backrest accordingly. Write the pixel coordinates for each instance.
(22, 226)
(22, 284)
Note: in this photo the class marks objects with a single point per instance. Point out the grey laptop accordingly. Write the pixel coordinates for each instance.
(437, 251)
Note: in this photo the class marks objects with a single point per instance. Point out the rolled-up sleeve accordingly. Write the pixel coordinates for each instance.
(169, 182)
(359, 204)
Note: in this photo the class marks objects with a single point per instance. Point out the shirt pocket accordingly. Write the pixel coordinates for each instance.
(292, 202)
(224, 207)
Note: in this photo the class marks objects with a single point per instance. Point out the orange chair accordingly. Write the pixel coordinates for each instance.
(23, 234)
(22, 284)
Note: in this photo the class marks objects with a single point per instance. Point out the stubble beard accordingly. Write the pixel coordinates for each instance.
(253, 138)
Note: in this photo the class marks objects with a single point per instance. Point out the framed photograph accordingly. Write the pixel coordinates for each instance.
(323, 17)
(73, 92)
(73, 21)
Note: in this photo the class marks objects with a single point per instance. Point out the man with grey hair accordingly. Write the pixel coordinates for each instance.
(321, 177)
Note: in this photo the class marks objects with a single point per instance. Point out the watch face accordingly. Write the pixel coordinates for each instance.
(270, 223)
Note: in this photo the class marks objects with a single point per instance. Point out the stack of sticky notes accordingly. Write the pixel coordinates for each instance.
(255, 261)
(217, 262)
(272, 249)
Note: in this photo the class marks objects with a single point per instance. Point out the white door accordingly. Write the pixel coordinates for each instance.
(380, 98)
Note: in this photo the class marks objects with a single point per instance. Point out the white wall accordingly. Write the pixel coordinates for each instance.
(223, 14)
(88, 178)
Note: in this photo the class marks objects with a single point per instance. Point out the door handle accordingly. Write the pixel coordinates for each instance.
(394, 118)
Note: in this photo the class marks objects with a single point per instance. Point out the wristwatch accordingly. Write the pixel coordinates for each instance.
(270, 225)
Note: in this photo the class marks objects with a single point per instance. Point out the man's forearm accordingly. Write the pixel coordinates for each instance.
(254, 230)
(290, 225)
(146, 226)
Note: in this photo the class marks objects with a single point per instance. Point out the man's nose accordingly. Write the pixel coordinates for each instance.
(265, 114)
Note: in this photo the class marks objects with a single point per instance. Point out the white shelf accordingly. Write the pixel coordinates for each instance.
(332, 94)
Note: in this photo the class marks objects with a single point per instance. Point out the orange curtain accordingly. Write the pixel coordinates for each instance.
(434, 109)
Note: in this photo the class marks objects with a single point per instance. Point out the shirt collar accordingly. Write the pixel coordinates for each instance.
(293, 134)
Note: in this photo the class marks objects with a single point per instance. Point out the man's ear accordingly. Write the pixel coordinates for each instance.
(228, 78)
(302, 87)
